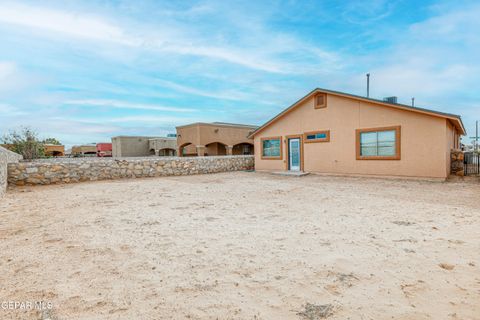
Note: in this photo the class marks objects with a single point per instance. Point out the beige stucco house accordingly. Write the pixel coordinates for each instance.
(140, 146)
(339, 133)
(214, 139)
(84, 150)
(53, 150)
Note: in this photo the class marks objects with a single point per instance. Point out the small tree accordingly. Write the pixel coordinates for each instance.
(25, 142)
(51, 141)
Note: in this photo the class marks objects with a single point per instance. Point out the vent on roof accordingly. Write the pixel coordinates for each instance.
(390, 99)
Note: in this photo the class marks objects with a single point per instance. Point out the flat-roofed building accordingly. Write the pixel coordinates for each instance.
(53, 150)
(87, 150)
(140, 146)
(164, 147)
(214, 139)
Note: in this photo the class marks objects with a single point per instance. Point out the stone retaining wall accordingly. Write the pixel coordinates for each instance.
(6, 156)
(87, 169)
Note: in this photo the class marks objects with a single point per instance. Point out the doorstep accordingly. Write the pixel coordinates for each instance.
(291, 173)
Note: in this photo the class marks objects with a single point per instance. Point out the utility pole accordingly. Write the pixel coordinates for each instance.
(475, 139)
(476, 135)
(368, 85)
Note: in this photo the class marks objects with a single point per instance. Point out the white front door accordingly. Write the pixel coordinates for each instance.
(294, 154)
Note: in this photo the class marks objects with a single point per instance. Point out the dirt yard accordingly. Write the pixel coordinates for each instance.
(243, 246)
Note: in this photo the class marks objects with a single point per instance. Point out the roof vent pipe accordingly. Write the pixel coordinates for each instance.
(368, 85)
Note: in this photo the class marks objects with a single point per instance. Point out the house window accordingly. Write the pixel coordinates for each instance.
(378, 143)
(272, 148)
(320, 101)
(317, 136)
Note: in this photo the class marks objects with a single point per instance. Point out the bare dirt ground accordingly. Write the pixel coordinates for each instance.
(243, 246)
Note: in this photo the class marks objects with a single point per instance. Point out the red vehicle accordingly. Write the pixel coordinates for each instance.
(104, 149)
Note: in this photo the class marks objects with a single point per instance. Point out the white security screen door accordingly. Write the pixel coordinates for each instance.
(294, 154)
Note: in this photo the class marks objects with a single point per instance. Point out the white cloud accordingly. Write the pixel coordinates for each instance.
(6, 69)
(261, 54)
(63, 22)
(129, 120)
(460, 24)
(12, 79)
(225, 95)
(235, 56)
(433, 60)
(364, 12)
(158, 120)
(125, 105)
(7, 110)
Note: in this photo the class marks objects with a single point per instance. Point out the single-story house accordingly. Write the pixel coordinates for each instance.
(53, 150)
(339, 133)
(86, 150)
(214, 139)
(164, 147)
(140, 146)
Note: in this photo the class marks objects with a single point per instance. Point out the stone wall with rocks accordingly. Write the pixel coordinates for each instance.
(456, 163)
(6, 156)
(51, 171)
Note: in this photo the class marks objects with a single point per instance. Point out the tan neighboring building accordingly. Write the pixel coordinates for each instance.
(84, 150)
(339, 133)
(214, 139)
(163, 147)
(138, 146)
(53, 150)
(50, 150)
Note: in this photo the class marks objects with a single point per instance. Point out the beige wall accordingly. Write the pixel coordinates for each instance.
(423, 145)
(80, 150)
(163, 146)
(130, 146)
(215, 149)
(138, 146)
(54, 150)
(208, 135)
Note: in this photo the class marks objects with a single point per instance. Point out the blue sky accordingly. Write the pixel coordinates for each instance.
(84, 71)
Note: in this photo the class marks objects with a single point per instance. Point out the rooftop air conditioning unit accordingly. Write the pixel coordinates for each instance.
(390, 99)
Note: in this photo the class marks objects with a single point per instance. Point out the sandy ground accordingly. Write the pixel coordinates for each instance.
(243, 246)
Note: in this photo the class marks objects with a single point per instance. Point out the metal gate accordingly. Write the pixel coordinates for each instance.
(471, 163)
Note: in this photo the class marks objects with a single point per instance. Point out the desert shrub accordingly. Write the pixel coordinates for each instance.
(25, 142)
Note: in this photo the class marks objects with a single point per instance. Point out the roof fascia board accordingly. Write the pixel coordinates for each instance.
(452, 117)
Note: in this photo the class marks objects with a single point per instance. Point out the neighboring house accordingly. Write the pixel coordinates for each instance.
(87, 150)
(50, 150)
(138, 146)
(104, 149)
(163, 147)
(53, 150)
(214, 139)
(339, 133)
